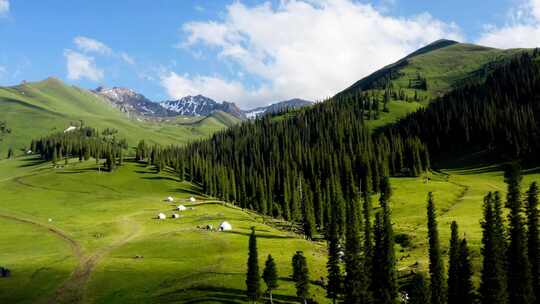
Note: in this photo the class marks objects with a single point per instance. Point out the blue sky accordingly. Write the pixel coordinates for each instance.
(246, 51)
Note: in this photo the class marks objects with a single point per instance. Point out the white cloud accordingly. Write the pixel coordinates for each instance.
(535, 4)
(521, 31)
(82, 66)
(178, 86)
(306, 48)
(89, 45)
(127, 59)
(4, 7)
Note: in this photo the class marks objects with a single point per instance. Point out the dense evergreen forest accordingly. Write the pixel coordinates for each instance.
(501, 115)
(84, 143)
(296, 168)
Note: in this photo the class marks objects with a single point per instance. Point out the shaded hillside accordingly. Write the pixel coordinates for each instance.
(501, 115)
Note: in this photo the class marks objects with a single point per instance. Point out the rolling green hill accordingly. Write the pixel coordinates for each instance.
(444, 65)
(36, 109)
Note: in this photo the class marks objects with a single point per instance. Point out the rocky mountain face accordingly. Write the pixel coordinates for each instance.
(277, 107)
(137, 104)
(200, 106)
(132, 102)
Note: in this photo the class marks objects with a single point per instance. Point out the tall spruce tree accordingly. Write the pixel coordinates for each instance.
(301, 276)
(493, 276)
(384, 276)
(436, 267)
(533, 242)
(270, 276)
(309, 225)
(465, 292)
(417, 290)
(253, 279)
(454, 265)
(334, 286)
(356, 286)
(519, 269)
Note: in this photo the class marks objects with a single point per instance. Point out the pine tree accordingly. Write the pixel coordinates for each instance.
(356, 287)
(533, 242)
(519, 269)
(465, 291)
(270, 276)
(301, 276)
(493, 276)
(436, 268)
(454, 266)
(253, 277)
(334, 287)
(54, 156)
(417, 290)
(368, 231)
(308, 219)
(384, 276)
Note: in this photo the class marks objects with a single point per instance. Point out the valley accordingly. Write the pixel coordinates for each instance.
(367, 184)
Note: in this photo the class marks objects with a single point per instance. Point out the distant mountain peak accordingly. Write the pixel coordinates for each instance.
(132, 102)
(200, 105)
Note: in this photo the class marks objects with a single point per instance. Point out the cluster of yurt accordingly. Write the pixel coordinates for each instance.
(225, 226)
(163, 216)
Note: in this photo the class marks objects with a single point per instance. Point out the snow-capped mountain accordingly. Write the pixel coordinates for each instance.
(137, 104)
(200, 106)
(132, 102)
(277, 107)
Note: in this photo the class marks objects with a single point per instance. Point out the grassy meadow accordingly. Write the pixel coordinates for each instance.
(77, 235)
(73, 235)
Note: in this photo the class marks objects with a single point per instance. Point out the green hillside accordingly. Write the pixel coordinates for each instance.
(444, 65)
(36, 109)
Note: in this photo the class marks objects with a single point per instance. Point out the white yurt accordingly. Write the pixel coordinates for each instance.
(181, 208)
(175, 215)
(192, 199)
(169, 199)
(161, 216)
(225, 226)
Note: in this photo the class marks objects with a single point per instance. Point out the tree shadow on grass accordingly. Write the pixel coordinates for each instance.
(262, 236)
(31, 162)
(211, 294)
(159, 178)
(70, 172)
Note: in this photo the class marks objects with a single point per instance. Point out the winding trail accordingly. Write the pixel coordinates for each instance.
(460, 197)
(75, 246)
(73, 289)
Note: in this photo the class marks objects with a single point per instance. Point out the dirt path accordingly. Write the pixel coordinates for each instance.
(76, 248)
(73, 289)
